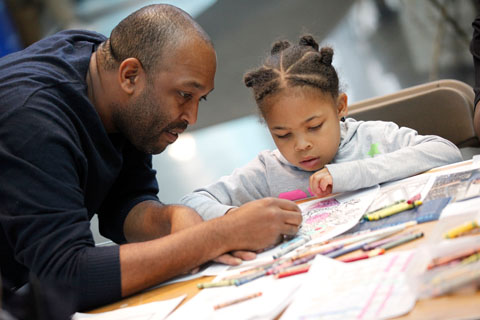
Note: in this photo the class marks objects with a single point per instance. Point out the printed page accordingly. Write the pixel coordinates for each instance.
(376, 288)
(158, 310)
(271, 297)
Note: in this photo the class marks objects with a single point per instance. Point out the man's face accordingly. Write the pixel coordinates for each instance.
(155, 117)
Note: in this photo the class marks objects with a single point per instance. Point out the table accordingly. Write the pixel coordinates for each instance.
(460, 306)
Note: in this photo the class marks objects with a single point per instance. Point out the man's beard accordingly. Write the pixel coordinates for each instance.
(143, 123)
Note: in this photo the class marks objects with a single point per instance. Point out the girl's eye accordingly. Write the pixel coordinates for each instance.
(283, 136)
(315, 127)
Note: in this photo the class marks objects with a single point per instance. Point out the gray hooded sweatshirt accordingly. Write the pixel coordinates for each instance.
(370, 153)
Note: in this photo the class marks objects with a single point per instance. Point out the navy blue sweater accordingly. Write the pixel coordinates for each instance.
(58, 167)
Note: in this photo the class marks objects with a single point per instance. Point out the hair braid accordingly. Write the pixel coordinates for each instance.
(301, 65)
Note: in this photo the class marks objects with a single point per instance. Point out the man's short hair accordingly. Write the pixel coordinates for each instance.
(148, 34)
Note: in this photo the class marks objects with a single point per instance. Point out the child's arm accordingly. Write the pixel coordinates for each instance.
(243, 185)
(401, 153)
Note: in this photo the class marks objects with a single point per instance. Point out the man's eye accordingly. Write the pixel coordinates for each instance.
(315, 127)
(185, 95)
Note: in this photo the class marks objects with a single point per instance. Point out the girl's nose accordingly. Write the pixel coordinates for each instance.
(302, 145)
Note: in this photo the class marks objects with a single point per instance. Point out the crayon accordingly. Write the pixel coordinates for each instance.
(459, 230)
(391, 210)
(222, 283)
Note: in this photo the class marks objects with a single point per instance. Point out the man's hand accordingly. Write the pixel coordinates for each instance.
(321, 183)
(236, 257)
(262, 223)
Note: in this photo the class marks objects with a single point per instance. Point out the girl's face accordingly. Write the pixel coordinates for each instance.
(304, 124)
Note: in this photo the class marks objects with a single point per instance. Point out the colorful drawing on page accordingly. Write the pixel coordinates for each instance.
(326, 218)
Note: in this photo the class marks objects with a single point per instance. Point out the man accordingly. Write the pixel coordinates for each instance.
(80, 116)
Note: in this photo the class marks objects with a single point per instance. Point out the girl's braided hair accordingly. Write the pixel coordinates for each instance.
(300, 65)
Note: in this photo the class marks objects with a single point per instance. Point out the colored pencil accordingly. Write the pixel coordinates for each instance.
(235, 301)
(402, 240)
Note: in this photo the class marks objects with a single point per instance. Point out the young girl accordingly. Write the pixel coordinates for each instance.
(298, 95)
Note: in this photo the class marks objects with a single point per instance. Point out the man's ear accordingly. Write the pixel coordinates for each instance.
(342, 105)
(131, 75)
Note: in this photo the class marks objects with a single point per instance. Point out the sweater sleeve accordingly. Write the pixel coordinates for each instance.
(42, 210)
(245, 184)
(404, 153)
(136, 183)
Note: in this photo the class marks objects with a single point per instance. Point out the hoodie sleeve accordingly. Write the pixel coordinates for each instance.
(397, 153)
(245, 184)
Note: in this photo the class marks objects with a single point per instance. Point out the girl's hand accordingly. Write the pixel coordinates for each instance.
(321, 183)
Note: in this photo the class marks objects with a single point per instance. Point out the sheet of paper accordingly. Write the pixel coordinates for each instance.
(458, 186)
(158, 310)
(326, 218)
(276, 294)
(376, 288)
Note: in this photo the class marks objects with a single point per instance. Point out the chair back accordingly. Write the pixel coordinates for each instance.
(443, 108)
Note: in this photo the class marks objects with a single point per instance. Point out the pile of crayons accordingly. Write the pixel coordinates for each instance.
(451, 272)
(371, 243)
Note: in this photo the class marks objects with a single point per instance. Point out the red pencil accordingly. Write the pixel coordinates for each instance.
(361, 256)
(292, 272)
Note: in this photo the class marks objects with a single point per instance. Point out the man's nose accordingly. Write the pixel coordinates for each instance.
(190, 113)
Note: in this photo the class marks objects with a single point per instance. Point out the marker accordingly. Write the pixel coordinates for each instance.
(401, 241)
(235, 301)
(364, 255)
(222, 283)
(459, 230)
(394, 209)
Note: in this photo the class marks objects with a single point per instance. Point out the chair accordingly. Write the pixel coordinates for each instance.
(443, 108)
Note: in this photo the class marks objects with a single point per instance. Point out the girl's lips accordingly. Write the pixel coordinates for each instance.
(310, 163)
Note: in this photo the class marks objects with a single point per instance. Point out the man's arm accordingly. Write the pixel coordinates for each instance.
(150, 220)
(255, 225)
